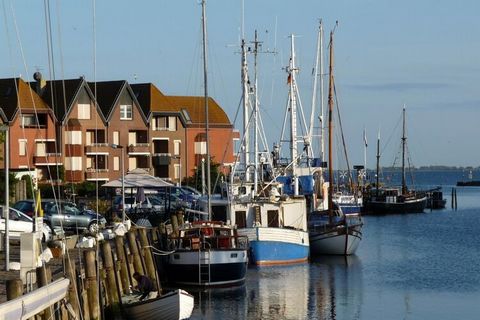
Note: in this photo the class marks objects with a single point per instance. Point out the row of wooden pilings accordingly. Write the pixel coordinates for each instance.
(99, 278)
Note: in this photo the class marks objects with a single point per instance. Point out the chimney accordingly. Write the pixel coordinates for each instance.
(41, 83)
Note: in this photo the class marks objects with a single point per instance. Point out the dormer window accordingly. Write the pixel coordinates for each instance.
(126, 112)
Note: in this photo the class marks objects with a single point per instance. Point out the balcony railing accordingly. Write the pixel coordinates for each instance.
(97, 174)
(97, 148)
(47, 159)
(139, 147)
(159, 159)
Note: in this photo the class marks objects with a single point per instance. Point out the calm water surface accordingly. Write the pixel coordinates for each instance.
(418, 266)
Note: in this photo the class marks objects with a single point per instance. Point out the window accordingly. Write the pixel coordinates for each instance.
(272, 216)
(73, 163)
(126, 112)
(132, 163)
(116, 163)
(176, 171)
(73, 137)
(116, 137)
(163, 123)
(172, 123)
(22, 147)
(32, 120)
(201, 147)
(132, 138)
(41, 149)
(176, 147)
(241, 219)
(83, 111)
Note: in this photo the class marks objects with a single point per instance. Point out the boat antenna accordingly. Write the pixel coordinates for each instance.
(205, 82)
(378, 161)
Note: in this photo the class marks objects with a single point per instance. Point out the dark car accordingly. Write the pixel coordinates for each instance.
(181, 193)
(65, 215)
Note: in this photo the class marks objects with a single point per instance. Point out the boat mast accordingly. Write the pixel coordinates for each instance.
(255, 116)
(315, 78)
(246, 139)
(404, 142)
(330, 131)
(204, 29)
(378, 162)
(293, 114)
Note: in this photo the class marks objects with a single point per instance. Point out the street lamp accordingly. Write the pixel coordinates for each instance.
(122, 161)
(6, 211)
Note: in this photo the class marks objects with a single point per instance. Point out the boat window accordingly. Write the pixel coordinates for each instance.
(272, 218)
(241, 219)
(258, 215)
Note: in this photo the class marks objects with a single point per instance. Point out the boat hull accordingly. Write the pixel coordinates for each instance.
(225, 267)
(171, 306)
(274, 246)
(336, 241)
(380, 207)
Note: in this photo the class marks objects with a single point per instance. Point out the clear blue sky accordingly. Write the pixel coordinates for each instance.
(424, 54)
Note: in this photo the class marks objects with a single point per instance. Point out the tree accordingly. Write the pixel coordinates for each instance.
(12, 181)
(215, 175)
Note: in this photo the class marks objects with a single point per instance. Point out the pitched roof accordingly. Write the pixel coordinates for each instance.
(196, 110)
(26, 99)
(107, 94)
(151, 99)
(61, 100)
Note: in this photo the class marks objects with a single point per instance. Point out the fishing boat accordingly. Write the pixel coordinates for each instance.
(174, 305)
(206, 252)
(388, 200)
(331, 231)
(255, 196)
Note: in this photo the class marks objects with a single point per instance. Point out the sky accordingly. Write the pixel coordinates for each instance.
(421, 54)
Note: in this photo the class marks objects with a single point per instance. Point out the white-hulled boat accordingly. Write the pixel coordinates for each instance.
(174, 305)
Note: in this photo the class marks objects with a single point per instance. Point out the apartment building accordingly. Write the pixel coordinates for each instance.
(31, 132)
(167, 132)
(126, 127)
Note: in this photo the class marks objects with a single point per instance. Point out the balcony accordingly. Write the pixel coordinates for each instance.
(139, 148)
(97, 148)
(160, 159)
(97, 174)
(47, 159)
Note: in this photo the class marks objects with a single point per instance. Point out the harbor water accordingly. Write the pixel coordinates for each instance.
(416, 266)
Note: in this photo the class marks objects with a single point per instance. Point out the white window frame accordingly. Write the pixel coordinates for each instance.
(201, 147)
(126, 112)
(116, 137)
(83, 111)
(176, 171)
(176, 147)
(116, 163)
(22, 147)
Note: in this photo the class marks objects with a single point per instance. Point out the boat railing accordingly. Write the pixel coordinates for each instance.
(208, 243)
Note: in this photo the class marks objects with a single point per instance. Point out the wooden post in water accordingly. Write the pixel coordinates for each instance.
(110, 274)
(14, 289)
(132, 244)
(174, 220)
(44, 276)
(455, 199)
(92, 285)
(124, 278)
(72, 288)
(452, 202)
(147, 253)
(180, 219)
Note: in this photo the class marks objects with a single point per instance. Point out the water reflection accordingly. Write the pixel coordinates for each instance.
(335, 293)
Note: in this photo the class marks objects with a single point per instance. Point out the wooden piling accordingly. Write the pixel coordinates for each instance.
(124, 277)
(147, 253)
(44, 277)
(174, 220)
(72, 288)
(111, 284)
(14, 289)
(132, 244)
(180, 216)
(92, 285)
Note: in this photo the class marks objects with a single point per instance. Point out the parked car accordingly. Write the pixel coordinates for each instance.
(194, 192)
(151, 203)
(181, 192)
(20, 223)
(64, 214)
